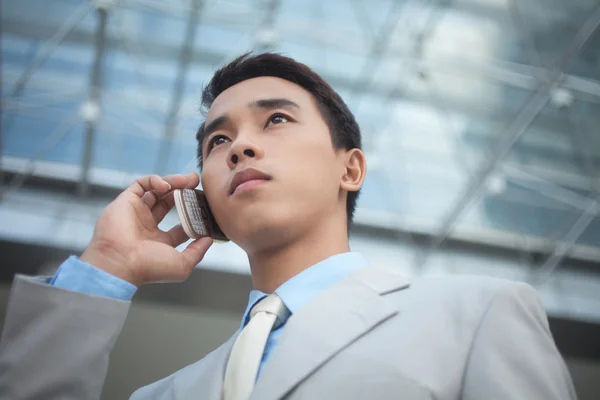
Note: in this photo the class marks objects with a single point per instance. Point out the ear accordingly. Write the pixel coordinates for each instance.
(355, 169)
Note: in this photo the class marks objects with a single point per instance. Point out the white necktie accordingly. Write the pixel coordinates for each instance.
(242, 368)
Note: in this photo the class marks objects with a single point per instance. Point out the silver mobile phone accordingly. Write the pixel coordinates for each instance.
(194, 213)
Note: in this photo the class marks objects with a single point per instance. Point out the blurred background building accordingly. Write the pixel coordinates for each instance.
(480, 121)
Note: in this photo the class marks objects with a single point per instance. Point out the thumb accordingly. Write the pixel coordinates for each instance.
(195, 251)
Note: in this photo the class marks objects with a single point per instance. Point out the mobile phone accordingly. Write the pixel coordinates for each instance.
(195, 215)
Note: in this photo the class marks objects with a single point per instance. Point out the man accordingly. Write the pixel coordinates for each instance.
(282, 168)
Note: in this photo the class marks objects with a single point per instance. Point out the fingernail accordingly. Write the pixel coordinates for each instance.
(168, 184)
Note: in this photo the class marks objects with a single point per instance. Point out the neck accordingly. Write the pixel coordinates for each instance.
(274, 266)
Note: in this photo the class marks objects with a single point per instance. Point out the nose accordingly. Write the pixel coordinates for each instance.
(243, 149)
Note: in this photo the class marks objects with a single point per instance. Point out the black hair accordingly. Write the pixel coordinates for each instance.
(343, 128)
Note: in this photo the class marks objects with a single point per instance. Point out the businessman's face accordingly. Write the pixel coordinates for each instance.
(270, 170)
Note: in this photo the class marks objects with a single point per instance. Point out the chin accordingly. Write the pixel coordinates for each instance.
(259, 232)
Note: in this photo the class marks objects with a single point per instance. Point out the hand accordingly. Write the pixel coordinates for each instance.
(128, 243)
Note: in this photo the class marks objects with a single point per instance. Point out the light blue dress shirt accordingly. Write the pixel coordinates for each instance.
(78, 276)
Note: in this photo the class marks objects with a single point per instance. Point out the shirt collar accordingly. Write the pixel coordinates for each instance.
(302, 288)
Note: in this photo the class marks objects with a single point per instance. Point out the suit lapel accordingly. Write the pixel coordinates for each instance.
(329, 323)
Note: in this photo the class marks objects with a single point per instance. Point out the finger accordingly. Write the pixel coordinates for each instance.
(163, 206)
(180, 181)
(193, 179)
(177, 236)
(195, 251)
(147, 183)
(150, 198)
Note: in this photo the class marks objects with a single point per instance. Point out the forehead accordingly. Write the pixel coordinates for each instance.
(242, 94)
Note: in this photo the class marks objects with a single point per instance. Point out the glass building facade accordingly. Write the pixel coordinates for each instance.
(480, 117)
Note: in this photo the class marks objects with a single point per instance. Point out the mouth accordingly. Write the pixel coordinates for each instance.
(247, 179)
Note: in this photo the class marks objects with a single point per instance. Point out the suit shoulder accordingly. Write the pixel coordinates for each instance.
(463, 294)
(465, 284)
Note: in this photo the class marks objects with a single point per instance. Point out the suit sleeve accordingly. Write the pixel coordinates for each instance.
(56, 343)
(513, 354)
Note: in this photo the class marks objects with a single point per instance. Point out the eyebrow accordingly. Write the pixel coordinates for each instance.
(273, 103)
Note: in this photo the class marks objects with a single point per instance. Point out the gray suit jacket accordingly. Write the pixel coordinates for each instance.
(372, 336)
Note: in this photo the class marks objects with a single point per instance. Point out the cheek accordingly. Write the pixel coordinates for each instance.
(215, 196)
(312, 166)
(211, 185)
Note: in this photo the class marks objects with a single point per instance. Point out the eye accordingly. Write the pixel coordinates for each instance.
(276, 119)
(217, 140)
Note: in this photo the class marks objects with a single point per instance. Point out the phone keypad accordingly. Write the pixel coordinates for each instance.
(196, 212)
